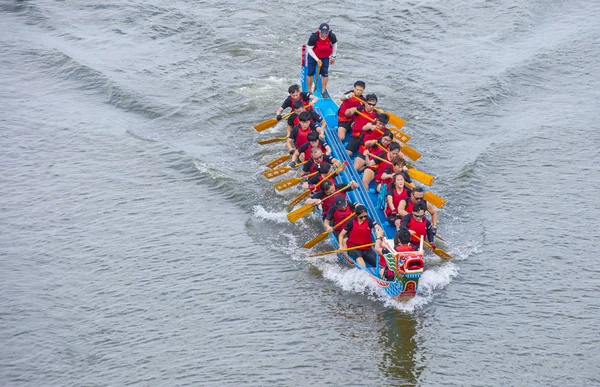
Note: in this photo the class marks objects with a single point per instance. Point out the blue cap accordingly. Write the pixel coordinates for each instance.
(324, 28)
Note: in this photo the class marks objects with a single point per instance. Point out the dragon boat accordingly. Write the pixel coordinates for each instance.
(407, 266)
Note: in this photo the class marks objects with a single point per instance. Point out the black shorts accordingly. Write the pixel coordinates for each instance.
(354, 143)
(392, 219)
(346, 125)
(369, 256)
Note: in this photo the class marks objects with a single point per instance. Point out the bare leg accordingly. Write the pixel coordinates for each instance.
(361, 262)
(359, 164)
(341, 133)
(324, 84)
(309, 82)
(368, 175)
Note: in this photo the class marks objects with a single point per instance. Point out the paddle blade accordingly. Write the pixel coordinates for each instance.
(442, 254)
(278, 161)
(272, 140)
(420, 176)
(410, 153)
(266, 125)
(300, 212)
(399, 135)
(283, 185)
(318, 239)
(434, 199)
(395, 120)
(301, 197)
(271, 173)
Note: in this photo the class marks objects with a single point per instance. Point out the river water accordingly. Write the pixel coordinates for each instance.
(141, 245)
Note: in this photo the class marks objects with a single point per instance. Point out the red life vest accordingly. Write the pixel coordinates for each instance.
(323, 48)
(327, 204)
(340, 215)
(374, 134)
(420, 229)
(410, 205)
(302, 136)
(360, 234)
(396, 198)
(381, 168)
(347, 104)
(360, 121)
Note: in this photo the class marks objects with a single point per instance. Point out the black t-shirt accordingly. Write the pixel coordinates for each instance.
(304, 96)
(314, 117)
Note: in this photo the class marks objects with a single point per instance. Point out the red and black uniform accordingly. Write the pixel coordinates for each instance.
(329, 202)
(423, 228)
(315, 118)
(336, 215)
(396, 198)
(410, 204)
(318, 178)
(390, 171)
(360, 121)
(307, 148)
(323, 48)
(368, 135)
(344, 121)
(311, 166)
(300, 136)
(361, 234)
(289, 101)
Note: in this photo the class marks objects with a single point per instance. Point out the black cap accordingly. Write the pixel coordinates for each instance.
(324, 28)
(340, 201)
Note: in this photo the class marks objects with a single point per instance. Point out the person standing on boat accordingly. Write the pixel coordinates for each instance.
(294, 119)
(368, 116)
(418, 226)
(358, 232)
(395, 194)
(349, 101)
(324, 196)
(303, 153)
(341, 209)
(321, 48)
(406, 205)
(299, 133)
(296, 95)
(317, 157)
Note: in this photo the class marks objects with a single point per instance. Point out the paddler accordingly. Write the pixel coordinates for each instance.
(367, 110)
(348, 101)
(385, 141)
(317, 157)
(323, 196)
(357, 232)
(303, 153)
(294, 119)
(296, 95)
(395, 194)
(299, 134)
(374, 165)
(321, 48)
(341, 209)
(406, 206)
(418, 226)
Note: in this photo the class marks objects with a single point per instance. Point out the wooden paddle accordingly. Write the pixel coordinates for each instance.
(413, 173)
(430, 197)
(272, 140)
(283, 185)
(279, 160)
(437, 251)
(341, 250)
(394, 119)
(305, 194)
(408, 151)
(321, 237)
(270, 122)
(317, 78)
(271, 173)
(307, 208)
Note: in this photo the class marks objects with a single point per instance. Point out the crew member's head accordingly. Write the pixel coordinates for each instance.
(402, 237)
(324, 30)
(298, 107)
(371, 102)
(394, 150)
(304, 118)
(418, 211)
(294, 91)
(341, 202)
(361, 212)
(359, 87)
(417, 195)
(398, 180)
(317, 155)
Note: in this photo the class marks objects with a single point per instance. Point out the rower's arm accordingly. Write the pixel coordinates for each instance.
(342, 239)
(433, 212)
(402, 208)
